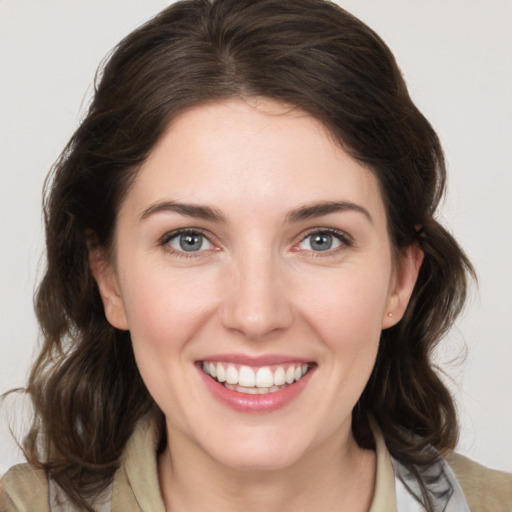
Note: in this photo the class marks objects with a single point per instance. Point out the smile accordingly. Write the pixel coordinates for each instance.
(255, 380)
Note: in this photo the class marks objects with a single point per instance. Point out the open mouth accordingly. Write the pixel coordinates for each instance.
(255, 380)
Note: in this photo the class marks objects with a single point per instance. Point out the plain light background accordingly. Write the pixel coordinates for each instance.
(456, 56)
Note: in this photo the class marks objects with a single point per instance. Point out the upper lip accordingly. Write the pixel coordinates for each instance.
(261, 360)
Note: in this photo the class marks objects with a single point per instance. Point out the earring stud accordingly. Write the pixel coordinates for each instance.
(390, 314)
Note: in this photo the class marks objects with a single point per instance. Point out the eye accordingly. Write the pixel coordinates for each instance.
(188, 241)
(324, 240)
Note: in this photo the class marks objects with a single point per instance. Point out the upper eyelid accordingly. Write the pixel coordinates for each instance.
(169, 235)
(332, 231)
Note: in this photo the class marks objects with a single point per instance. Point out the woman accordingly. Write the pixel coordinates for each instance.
(245, 280)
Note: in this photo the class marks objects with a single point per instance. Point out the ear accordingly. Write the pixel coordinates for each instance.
(402, 284)
(105, 276)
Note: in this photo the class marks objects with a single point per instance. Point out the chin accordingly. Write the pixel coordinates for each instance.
(263, 452)
(264, 461)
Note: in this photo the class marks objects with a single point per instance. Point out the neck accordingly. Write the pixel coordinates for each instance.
(337, 475)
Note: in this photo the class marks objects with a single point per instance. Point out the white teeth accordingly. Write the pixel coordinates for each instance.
(231, 375)
(250, 391)
(290, 375)
(264, 377)
(253, 391)
(246, 377)
(279, 376)
(221, 373)
(263, 380)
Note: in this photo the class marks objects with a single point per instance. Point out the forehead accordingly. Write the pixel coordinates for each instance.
(255, 153)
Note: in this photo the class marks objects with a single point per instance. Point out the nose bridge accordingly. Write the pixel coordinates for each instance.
(256, 302)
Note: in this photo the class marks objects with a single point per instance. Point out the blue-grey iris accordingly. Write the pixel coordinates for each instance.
(191, 242)
(321, 242)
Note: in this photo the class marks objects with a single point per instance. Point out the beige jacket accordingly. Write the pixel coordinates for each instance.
(135, 485)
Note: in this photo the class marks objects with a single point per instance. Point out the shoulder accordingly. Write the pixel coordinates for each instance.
(486, 490)
(24, 488)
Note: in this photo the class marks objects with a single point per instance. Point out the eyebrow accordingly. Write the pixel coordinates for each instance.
(307, 211)
(319, 209)
(190, 210)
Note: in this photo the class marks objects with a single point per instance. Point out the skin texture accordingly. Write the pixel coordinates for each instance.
(256, 287)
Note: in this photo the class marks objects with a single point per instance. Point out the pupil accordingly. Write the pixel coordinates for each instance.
(321, 242)
(191, 242)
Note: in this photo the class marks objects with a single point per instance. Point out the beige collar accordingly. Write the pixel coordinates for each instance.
(384, 499)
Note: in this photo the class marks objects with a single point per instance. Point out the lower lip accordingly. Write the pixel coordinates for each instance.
(243, 402)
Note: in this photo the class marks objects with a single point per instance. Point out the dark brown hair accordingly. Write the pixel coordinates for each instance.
(85, 385)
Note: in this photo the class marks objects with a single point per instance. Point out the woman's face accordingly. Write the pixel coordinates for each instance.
(253, 247)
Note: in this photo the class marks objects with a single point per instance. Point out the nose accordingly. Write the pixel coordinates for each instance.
(256, 302)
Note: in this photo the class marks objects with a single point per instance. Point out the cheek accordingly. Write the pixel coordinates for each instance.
(164, 311)
(347, 318)
(349, 306)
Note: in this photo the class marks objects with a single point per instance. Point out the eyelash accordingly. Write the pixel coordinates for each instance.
(168, 237)
(342, 237)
